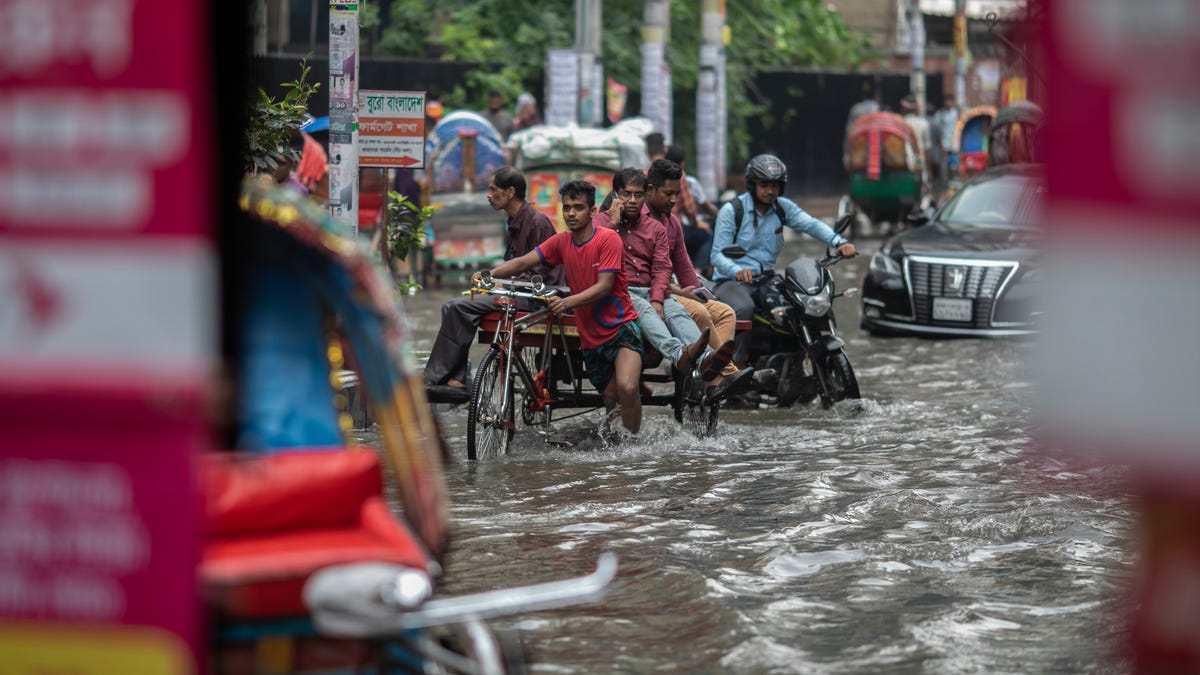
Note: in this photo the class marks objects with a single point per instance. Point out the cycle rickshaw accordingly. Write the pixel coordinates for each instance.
(1014, 135)
(885, 167)
(534, 368)
(969, 156)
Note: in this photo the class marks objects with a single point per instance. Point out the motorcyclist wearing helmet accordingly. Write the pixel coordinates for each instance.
(764, 215)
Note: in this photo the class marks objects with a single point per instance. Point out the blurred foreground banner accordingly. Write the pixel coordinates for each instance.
(1121, 372)
(1119, 361)
(107, 332)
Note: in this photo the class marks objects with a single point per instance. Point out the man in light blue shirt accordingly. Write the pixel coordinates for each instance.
(764, 215)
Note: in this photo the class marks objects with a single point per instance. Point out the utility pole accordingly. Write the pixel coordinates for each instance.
(916, 43)
(258, 17)
(587, 46)
(960, 54)
(343, 114)
(708, 108)
(656, 26)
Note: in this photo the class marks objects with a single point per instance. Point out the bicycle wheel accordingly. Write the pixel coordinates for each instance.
(696, 414)
(490, 417)
(700, 419)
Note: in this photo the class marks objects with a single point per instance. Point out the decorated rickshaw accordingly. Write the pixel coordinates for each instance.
(323, 556)
(1014, 134)
(883, 160)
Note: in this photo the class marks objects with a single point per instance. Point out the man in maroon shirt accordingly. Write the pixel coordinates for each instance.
(446, 371)
(663, 186)
(666, 325)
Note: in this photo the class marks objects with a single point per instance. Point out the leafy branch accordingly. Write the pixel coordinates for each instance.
(405, 225)
(272, 123)
(405, 230)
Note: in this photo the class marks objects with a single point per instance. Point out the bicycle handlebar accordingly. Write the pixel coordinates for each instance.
(534, 289)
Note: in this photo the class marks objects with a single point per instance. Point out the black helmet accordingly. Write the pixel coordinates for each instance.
(765, 169)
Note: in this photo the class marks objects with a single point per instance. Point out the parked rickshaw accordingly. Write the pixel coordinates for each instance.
(885, 167)
(1014, 135)
(970, 143)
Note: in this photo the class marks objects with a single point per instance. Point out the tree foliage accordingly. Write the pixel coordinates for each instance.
(515, 36)
(273, 122)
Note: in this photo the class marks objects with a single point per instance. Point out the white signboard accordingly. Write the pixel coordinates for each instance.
(391, 128)
(562, 70)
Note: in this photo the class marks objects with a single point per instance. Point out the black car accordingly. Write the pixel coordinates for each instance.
(969, 271)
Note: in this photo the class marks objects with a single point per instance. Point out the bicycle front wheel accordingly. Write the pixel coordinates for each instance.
(490, 419)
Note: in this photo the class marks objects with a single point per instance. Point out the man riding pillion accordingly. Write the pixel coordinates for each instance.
(764, 214)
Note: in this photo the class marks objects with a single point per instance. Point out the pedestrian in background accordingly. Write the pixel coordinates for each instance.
(497, 115)
(527, 112)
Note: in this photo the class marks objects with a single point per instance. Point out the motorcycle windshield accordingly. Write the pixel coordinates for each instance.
(806, 275)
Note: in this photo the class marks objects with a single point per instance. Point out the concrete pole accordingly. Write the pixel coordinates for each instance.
(916, 43)
(587, 46)
(655, 34)
(343, 114)
(258, 17)
(708, 111)
(960, 54)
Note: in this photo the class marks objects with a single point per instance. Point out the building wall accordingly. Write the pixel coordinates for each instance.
(876, 18)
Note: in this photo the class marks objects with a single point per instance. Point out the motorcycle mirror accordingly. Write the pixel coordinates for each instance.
(843, 223)
(734, 251)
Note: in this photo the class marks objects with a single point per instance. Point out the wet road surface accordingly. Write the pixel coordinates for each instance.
(915, 532)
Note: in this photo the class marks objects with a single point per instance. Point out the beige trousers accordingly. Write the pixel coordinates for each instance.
(717, 316)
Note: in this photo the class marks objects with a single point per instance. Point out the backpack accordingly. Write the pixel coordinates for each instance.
(739, 211)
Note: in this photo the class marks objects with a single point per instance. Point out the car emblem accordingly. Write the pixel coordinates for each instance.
(955, 278)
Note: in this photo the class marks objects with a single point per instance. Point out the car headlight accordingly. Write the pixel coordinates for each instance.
(817, 304)
(883, 263)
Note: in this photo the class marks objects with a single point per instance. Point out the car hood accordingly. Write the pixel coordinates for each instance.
(984, 243)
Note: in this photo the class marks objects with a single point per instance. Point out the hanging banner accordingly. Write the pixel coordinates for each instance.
(562, 98)
(615, 96)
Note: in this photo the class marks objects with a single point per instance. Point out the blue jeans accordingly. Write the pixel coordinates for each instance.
(668, 338)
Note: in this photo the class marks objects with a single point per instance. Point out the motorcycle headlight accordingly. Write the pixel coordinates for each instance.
(818, 303)
(884, 264)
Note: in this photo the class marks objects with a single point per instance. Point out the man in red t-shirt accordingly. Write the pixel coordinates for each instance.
(593, 260)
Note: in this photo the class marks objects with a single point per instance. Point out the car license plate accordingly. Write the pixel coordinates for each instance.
(951, 309)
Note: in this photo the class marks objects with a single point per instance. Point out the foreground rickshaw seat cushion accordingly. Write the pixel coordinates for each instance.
(274, 520)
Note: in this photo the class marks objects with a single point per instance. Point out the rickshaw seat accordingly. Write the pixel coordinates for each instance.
(274, 520)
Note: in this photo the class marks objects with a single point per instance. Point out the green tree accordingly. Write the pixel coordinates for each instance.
(273, 122)
(515, 36)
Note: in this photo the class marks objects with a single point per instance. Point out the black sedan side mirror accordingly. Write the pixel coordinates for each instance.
(734, 251)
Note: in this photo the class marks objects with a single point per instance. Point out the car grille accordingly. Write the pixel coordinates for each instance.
(980, 283)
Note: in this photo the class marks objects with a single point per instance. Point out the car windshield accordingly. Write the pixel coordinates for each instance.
(1011, 200)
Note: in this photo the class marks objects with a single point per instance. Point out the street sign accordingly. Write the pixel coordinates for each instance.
(391, 129)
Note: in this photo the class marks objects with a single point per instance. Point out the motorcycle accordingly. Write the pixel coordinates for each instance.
(794, 334)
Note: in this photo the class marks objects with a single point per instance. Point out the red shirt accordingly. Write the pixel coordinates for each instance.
(681, 264)
(646, 253)
(599, 322)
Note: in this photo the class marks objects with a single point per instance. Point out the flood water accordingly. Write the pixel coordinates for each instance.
(916, 532)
